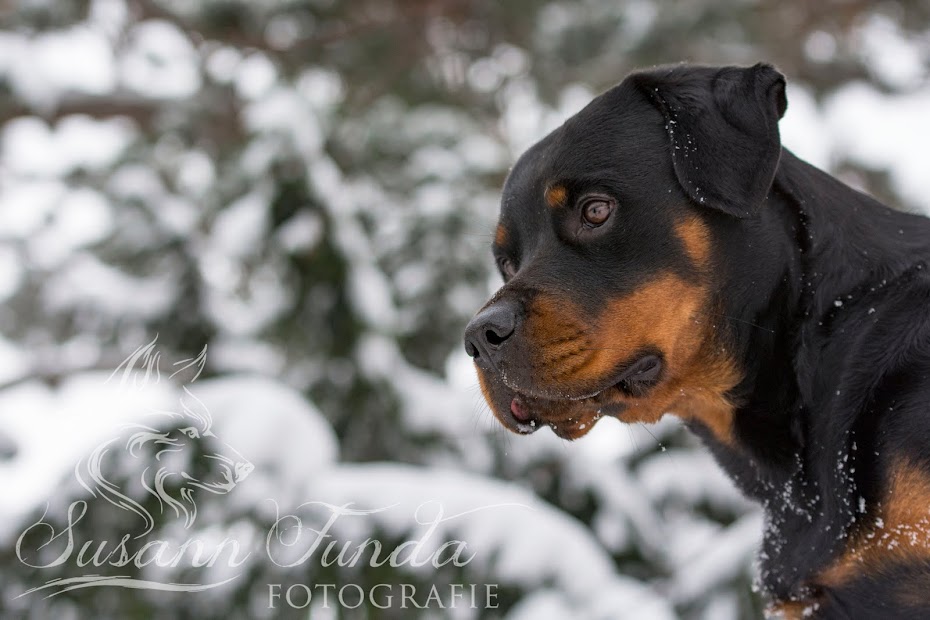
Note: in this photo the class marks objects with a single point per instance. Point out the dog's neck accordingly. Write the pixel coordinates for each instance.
(819, 253)
(814, 248)
(839, 250)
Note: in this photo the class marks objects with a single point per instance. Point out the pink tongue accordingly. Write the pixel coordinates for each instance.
(519, 410)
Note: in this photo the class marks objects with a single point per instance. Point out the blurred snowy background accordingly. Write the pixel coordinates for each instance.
(308, 189)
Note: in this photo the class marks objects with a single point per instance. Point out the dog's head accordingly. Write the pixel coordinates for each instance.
(608, 246)
(166, 452)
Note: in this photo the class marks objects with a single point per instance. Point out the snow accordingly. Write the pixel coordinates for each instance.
(195, 174)
(14, 362)
(256, 76)
(242, 301)
(544, 604)
(271, 425)
(321, 88)
(295, 454)
(802, 129)
(76, 60)
(889, 130)
(283, 435)
(505, 527)
(135, 181)
(239, 228)
(82, 217)
(114, 293)
(41, 196)
(892, 137)
(245, 355)
(29, 147)
(894, 59)
(371, 294)
(722, 558)
(692, 476)
(435, 162)
(108, 16)
(11, 271)
(283, 112)
(53, 429)
(430, 404)
(222, 62)
(521, 120)
(160, 62)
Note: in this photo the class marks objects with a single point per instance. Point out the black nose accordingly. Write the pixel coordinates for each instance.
(490, 329)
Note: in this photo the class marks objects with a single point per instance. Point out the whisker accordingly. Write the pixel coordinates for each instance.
(658, 443)
(629, 430)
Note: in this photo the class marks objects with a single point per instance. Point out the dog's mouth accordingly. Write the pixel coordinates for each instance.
(573, 416)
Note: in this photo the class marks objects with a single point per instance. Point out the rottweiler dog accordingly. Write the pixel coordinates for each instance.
(663, 253)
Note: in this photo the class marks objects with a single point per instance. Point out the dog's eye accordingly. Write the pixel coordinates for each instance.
(507, 267)
(595, 211)
(191, 432)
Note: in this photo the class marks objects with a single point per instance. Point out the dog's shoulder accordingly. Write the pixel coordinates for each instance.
(868, 381)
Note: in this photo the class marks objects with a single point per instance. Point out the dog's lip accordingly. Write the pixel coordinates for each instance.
(644, 368)
(535, 417)
(528, 412)
(526, 422)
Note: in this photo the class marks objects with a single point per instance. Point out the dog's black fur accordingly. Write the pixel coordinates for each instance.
(817, 296)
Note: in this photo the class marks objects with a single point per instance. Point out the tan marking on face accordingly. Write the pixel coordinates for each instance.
(695, 237)
(558, 336)
(662, 314)
(696, 394)
(899, 531)
(500, 236)
(668, 314)
(555, 196)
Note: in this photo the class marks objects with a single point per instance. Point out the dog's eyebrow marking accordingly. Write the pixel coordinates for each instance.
(695, 238)
(555, 196)
(500, 236)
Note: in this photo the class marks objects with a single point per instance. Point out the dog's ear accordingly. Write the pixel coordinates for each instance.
(723, 128)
